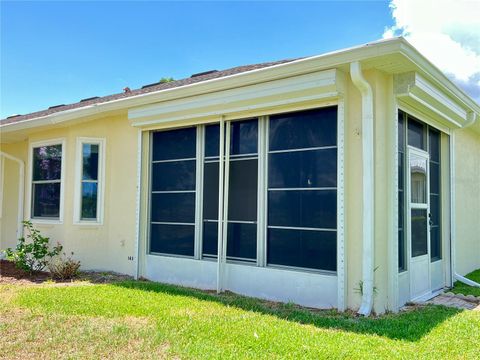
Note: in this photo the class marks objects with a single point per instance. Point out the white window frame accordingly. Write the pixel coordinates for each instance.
(77, 203)
(37, 144)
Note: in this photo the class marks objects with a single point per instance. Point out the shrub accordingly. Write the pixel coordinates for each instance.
(32, 254)
(64, 268)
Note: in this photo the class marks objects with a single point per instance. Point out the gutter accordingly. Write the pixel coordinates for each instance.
(21, 180)
(368, 187)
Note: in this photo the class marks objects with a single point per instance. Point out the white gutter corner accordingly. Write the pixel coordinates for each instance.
(368, 187)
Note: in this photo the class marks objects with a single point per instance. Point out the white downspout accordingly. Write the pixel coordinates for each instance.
(368, 187)
(471, 119)
(21, 175)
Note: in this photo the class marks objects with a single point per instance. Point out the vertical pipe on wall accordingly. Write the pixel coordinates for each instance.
(220, 204)
(368, 188)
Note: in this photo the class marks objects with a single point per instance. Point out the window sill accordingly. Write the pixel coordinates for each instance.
(46, 222)
(88, 223)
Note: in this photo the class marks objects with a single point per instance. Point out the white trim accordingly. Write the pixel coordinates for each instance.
(222, 256)
(414, 112)
(31, 146)
(453, 210)
(417, 206)
(393, 263)
(221, 169)
(342, 279)
(200, 152)
(261, 191)
(77, 202)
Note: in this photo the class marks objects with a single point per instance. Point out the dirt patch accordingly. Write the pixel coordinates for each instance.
(10, 274)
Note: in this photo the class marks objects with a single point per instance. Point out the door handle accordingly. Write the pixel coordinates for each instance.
(430, 222)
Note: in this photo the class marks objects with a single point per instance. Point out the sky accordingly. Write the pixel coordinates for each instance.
(55, 53)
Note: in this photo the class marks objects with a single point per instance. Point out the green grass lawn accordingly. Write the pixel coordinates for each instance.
(461, 288)
(147, 320)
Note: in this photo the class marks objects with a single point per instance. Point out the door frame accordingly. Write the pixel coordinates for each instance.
(417, 206)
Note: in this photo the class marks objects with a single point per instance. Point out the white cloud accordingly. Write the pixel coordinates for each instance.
(447, 32)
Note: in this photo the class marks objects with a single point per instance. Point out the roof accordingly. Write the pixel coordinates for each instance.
(196, 78)
(391, 56)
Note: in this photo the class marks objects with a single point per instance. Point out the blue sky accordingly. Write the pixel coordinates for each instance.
(60, 52)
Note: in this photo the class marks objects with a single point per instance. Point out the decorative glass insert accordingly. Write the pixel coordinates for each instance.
(89, 182)
(418, 176)
(242, 192)
(302, 189)
(46, 181)
(172, 202)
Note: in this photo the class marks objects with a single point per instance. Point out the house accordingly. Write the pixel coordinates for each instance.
(345, 180)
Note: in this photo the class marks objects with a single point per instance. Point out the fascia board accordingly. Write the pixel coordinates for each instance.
(242, 98)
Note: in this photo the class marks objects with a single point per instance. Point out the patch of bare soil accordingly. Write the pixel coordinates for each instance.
(10, 274)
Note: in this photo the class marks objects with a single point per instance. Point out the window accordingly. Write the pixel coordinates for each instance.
(302, 190)
(47, 174)
(282, 170)
(172, 201)
(242, 192)
(89, 181)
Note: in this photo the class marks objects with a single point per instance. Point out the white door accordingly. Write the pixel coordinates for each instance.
(418, 216)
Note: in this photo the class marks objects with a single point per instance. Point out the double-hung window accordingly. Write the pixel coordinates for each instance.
(89, 181)
(46, 191)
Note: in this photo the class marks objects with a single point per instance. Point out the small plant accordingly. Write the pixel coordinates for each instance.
(64, 268)
(33, 253)
(359, 289)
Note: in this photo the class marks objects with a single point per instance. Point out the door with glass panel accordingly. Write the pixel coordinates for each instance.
(419, 222)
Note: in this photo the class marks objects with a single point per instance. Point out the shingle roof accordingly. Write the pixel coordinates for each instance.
(145, 89)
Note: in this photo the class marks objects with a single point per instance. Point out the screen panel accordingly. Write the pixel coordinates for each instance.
(302, 193)
(172, 199)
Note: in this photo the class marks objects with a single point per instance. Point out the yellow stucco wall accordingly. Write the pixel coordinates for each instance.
(99, 247)
(467, 189)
